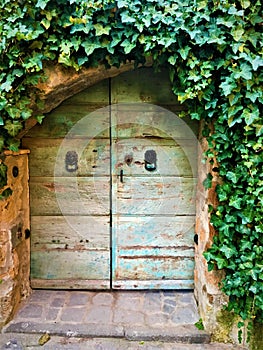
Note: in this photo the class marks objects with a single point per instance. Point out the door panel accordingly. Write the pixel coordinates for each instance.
(153, 252)
(153, 196)
(93, 160)
(77, 196)
(162, 231)
(72, 268)
(172, 158)
(70, 194)
(153, 210)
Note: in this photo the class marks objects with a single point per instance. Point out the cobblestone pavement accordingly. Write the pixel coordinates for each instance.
(107, 320)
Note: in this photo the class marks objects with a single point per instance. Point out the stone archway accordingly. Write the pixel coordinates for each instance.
(63, 83)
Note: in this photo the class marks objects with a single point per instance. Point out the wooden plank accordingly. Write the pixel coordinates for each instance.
(98, 93)
(154, 268)
(69, 196)
(154, 195)
(85, 120)
(157, 284)
(46, 158)
(160, 231)
(143, 120)
(70, 264)
(155, 252)
(194, 125)
(143, 85)
(73, 232)
(172, 158)
(70, 284)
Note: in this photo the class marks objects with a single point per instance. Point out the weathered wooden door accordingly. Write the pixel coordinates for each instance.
(112, 202)
(152, 199)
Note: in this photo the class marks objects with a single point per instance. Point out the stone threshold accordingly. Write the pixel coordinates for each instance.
(187, 334)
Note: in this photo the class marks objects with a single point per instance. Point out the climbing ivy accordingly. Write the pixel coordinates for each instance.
(214, 51)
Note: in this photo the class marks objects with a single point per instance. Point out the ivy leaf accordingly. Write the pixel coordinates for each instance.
(226, 21)
(13, 128)
(42, 4)
(13, 145)
(82, 60)
(100, 30)
(235, 202)
(6, 86)
(250, 116)
(259, 130)
(126, 18)
(237, 32)
(184, 52)
(221, 262)
(245, 244)
(253, 95)
(232, 176)
(233, 11)
(207, 183)
(13, 112)
(65, 59)
(201, 5)
(257, 62)
(228, 86)
(89, 46)
(128, 46)
(3, 102)
(245, 4)
(45, 23)
(122, 3)
(172, 59)
(244, 72)
(39, 118)
(3, 177)
(228, 251)
(2, 142)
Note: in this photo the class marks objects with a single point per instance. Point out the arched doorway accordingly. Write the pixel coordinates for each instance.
(135, 225)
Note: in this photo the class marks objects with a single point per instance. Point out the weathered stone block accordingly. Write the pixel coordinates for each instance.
(14, 247)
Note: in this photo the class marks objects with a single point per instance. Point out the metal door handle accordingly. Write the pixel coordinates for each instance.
(121, 176)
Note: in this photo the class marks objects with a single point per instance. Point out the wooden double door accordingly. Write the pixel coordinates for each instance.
(119, 209)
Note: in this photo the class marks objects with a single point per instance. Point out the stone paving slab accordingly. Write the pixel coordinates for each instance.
(181, 334)
(72, 330)
(140, 307)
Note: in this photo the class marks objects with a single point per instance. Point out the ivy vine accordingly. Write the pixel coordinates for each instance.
(215, 53)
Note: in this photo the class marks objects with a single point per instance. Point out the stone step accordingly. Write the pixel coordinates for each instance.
(179, 333)
(26, 341)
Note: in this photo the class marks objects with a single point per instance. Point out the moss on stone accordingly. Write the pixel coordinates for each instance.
(256, 337)
(225, 321)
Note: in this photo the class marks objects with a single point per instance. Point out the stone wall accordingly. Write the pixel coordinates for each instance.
(14, 236)
(211, 301)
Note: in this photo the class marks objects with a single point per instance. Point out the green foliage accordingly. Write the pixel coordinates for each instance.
(214, 51)
(199, 324)
(4, 190)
